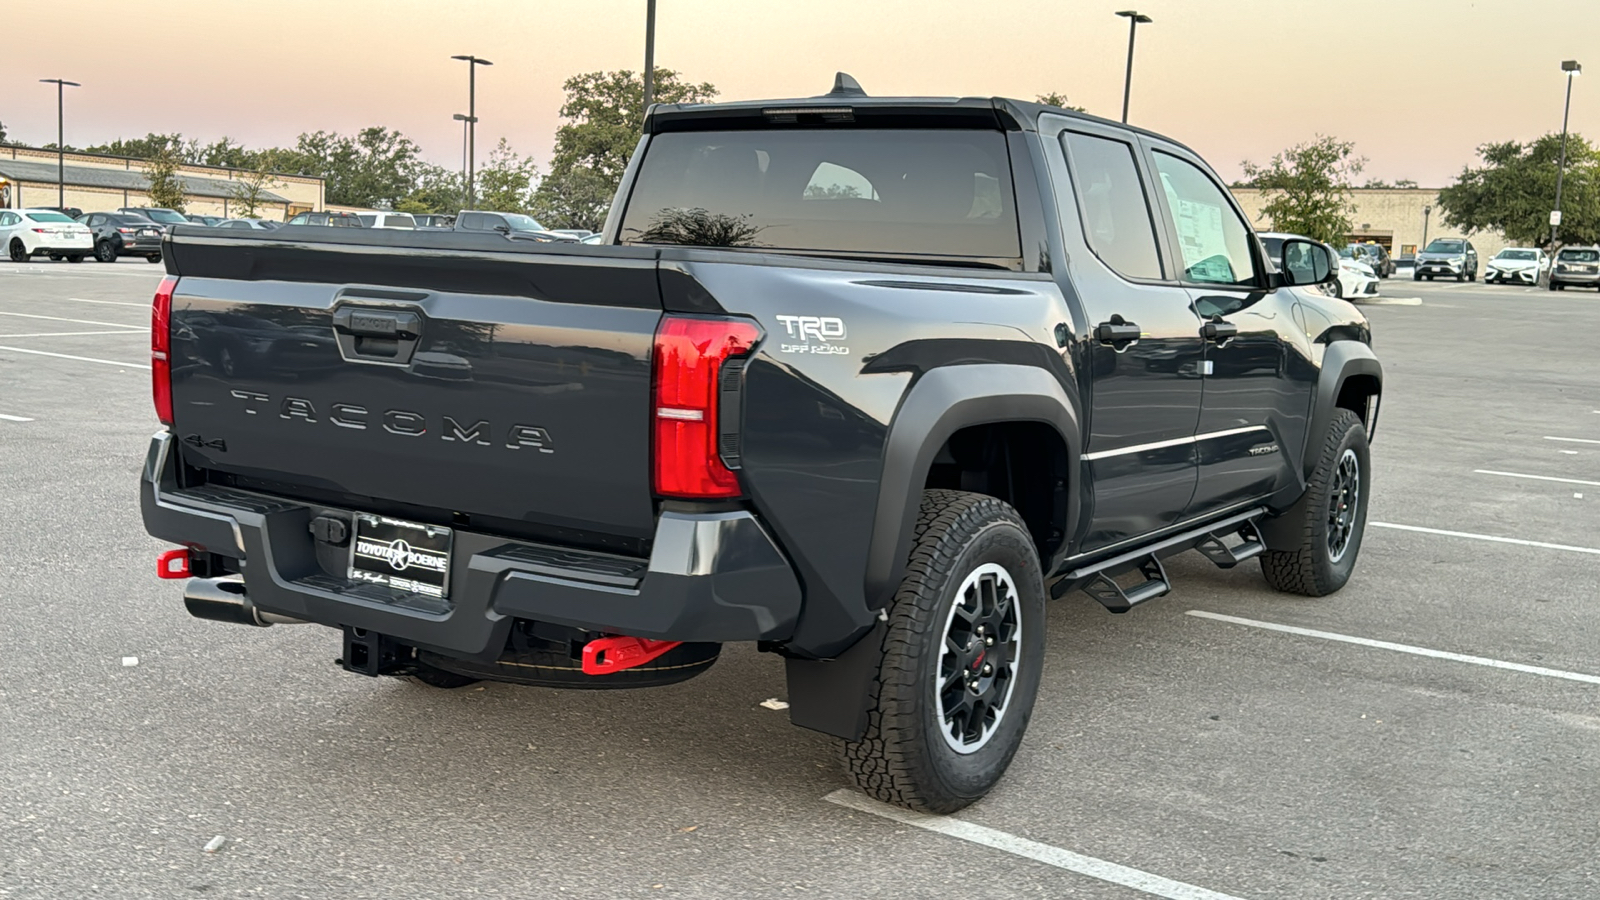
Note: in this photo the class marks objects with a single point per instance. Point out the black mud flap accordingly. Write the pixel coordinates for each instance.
(831, 695)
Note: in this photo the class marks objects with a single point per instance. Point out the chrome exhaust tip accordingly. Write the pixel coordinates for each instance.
(224, 600)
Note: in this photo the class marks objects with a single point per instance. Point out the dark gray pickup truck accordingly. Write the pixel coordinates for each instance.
(859, 380)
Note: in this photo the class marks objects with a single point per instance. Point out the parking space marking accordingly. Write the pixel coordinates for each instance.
(1401, 648)
(6, 418)
(77, 334)
(1486, 537)
(1017, 846)
(110, 302)
(1537, 477)
(105, 362)
(74, 321)
(1572, 440)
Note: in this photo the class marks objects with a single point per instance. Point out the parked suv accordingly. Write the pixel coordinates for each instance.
(334, 219)
(857, 381)
(124, 234)
(1453, 257)
(1576, 266)
(513, 225)
(1374, 256)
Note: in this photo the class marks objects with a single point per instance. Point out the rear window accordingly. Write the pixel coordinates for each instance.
(1587, 256)
(48, 217)
(399, 222)
(893, 192)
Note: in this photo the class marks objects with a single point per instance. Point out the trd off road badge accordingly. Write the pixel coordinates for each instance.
(814, 334)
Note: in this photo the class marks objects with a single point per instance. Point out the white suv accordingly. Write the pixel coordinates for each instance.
(26, 233)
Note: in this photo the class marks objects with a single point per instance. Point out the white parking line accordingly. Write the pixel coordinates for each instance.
(1017, 846)
(74, 321)
(107, 362)
(110, 302)
(1486, 537)
(1402, 648)
(81, 333)
(1537, 477)
(1572, 440)
(6, 418)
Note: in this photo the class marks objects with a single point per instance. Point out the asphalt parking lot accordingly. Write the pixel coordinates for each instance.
(1429, 732)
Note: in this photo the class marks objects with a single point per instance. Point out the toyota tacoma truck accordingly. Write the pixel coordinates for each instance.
(858, 380)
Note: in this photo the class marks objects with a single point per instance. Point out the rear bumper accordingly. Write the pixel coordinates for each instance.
(710, 577)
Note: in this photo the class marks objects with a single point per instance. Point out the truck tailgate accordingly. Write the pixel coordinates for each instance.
(511, 385)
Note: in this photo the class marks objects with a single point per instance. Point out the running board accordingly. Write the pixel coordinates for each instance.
(1098, 579)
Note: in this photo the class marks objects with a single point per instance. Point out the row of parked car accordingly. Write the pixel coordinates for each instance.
(72, 234)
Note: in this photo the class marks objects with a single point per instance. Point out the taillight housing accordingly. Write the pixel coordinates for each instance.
(161, 348)
(690, 354)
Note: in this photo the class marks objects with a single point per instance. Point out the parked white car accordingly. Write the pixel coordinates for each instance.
(1356, 278)
(1517, 265)
(387, 220)
(26, 233)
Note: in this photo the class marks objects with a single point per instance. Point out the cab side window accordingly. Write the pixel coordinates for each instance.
(1112, 202)
(1213, 242)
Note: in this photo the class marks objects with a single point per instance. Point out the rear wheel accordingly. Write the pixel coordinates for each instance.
(19, 253)
(962, 657)
(75, 258)
(1333, 515)
(154, 257)
(55, 257)
(104, 252)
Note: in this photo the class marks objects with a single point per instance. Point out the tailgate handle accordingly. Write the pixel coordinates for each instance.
(377, 323)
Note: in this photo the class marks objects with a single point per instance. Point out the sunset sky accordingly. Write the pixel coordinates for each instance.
(1417, 84)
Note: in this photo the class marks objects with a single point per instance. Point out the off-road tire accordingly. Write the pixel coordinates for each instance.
(903, 758)
(1311, 569)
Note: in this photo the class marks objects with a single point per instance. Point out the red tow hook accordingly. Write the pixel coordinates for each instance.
(173, 563)
(607, 655)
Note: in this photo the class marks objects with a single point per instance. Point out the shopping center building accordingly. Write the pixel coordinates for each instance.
(96, 183)
(1403, 220)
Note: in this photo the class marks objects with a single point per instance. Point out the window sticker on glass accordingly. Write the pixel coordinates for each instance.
(1200, 237)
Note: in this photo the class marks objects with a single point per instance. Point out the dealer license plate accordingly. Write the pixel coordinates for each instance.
(406, 556)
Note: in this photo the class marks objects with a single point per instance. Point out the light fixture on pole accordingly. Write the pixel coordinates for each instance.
(464, 120)
(61, 139)
(1572, 68)
(1135, 19)
(473, 63)
(649, 54)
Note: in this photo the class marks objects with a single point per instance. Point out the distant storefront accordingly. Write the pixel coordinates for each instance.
(95, 183)
(1400, 219)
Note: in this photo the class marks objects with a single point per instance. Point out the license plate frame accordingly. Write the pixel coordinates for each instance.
(413, 557)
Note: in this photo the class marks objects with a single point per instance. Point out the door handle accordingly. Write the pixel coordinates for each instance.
(1218, 331)
(377, 322)
(1116, 331)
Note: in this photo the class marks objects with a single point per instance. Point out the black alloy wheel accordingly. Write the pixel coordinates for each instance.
(1344, 496)
(104, 252)
(19, 253)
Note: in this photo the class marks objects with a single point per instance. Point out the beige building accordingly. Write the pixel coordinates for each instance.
(95, 183)
(1397, 218)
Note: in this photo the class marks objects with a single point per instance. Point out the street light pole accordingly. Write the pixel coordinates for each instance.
(1572, 68)
(1426, 211)
(1135, 19)
(61, 137)
(464, 120)
(649, 54)
(473, 63)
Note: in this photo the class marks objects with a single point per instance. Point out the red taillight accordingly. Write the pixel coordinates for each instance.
(125, 230)
(689, 354)
(161, 347)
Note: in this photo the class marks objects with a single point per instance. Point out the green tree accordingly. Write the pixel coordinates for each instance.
(2, 132)
(438, 190)
(604, 113)
(375, 167)
(166, 188)
(1515, 190)
(250, 189)
(506, 183)
(147, 147)
(1307, 188)
(1056, 98)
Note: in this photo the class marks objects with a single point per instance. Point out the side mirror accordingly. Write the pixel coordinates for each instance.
(1307, 262)
(503, 229)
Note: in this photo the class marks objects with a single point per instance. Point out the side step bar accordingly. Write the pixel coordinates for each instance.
(1098, 579)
